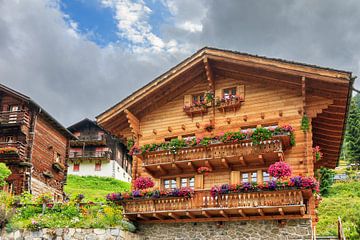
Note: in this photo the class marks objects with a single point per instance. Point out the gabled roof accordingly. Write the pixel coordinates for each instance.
(85, 122)
(330, 83)
(40, 110)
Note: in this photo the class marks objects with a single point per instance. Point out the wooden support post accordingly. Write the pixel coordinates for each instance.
(241, 212)
(225, 163)
(158, 216)
(242, 161)
(302, 211)
(176, 166)
(261, 159)
(183, 127)
(173, 215)
(206, 214)
(259, 176)
(281, 211)
(190, 215)
(261, 212)
(209, 74)
(161, 169)
(208, 164)
(191, 166)
(224, 214)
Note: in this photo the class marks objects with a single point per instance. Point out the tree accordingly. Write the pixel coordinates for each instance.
(4, 173)
(326, 179)
(352, 136)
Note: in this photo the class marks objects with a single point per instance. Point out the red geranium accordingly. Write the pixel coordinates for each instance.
(143, 183)
(279, 170)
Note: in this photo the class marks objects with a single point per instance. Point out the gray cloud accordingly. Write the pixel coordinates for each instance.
(73, 78)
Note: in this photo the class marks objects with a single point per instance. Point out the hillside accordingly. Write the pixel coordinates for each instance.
(94, 188)
(344, 201)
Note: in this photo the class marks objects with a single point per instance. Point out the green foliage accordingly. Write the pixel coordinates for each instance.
(342, 200)
(351, 151)
(6, 209)
(260, 134)
(326, 179)
(4, 173)
(305, 123)
(94, 188)
(130, 143)
(205, 141)
(232, 137)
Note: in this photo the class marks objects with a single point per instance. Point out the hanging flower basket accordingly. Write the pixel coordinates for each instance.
(203, 170)
(279, 170)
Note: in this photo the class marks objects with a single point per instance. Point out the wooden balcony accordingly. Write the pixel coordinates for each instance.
(90, 155)
(18, 155)
(88, 141)
(195, 110)
(230, 104)
(215, 156)
(13, 118)
(286, 204)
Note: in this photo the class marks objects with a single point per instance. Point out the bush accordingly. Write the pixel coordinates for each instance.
(326, 179)
(4, 173)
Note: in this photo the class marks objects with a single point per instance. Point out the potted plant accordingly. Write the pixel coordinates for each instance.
(143, 183)
(204, 170)
(279, 170)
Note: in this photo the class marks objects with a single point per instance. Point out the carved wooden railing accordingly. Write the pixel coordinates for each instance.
(218, 150)
(90, 154)
(20, 152)
(14, 117)
(202, 199)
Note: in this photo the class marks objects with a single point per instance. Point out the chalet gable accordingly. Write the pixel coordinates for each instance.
(208, 66)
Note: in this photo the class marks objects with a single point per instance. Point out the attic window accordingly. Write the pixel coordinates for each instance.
(229, 92)
(198, 98)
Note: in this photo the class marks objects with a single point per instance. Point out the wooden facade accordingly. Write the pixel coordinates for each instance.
(34, 145)
(270, 92)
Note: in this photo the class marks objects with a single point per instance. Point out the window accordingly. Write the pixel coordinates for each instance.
(187, 182)
(9, 139)
(57, 158)
(244, 177)
(198, 98)
(170, 138)
(169, 183)
(97, 166)
(118, 168)
(14, 108)
(76, 167)
(228, 92)
(266, 176)
(254, 177)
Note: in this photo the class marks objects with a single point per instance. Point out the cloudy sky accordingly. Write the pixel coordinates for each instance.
(76, 58)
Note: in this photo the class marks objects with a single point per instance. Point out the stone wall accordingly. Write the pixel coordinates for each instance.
(292, 229)
(71, 234)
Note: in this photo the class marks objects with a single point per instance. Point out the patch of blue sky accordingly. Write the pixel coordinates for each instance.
(94, 21)
(160, 15)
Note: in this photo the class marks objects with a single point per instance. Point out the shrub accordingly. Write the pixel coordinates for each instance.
(326, 178)
(4, 173)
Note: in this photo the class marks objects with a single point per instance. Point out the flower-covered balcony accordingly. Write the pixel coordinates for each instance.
(12, 152)
(248, 148)
(13, 118)
(90, 155)
(271, 200)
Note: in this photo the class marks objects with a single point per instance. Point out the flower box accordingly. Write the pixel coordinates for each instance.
(193, 110)
(230, 103)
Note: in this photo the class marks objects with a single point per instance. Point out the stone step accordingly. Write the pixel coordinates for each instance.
(326, 238)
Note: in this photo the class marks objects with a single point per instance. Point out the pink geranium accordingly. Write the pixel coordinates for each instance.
(143, 183)
(279, 170)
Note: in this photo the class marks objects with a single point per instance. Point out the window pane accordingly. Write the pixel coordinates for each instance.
(254, 177)
(192, 182)
(266, 177)
(245, 177)
(184, 182)
(167, 183)
(173, 183)
(233, 91)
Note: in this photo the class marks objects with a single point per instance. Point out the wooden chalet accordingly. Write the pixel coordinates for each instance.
(248, 92)
(32, 144)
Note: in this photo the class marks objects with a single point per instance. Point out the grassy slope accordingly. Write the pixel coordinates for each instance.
(343, 201)
(94, 188)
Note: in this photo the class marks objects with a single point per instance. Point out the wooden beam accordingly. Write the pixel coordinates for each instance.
(208, 164)
(158, 216)
(145, 169)
(209, 74)
(173, 215)
(261, 159)
(225, 163)
(177, 167)
(241, 212)
(242, 161)
(206, 214)
(281, 211)
(224, 214)
(191, 165)
(161, 169)
(134, 123)
(142, 217)
(261, 212)
(190, 215)
(302, 211)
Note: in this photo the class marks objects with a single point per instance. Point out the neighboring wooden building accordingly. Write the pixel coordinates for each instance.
(264, 92)
(32, 144)
(97, 153)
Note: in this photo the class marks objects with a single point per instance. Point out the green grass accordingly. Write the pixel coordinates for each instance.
(344, 201)
(94, 188)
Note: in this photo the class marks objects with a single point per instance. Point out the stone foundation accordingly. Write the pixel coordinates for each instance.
(292, 229)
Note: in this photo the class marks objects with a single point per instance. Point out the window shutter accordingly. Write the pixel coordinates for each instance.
(240, 90)
(235, 177)
(218, 93)
(157, 183)
(187, 100)
(199, 181)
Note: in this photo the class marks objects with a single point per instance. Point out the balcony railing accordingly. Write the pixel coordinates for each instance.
(14, 118)
(100, 155)
(89, 140)
(12, 151)
(217, 156)
(252, 205)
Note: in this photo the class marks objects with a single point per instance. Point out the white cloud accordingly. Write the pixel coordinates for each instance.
(191, 27)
